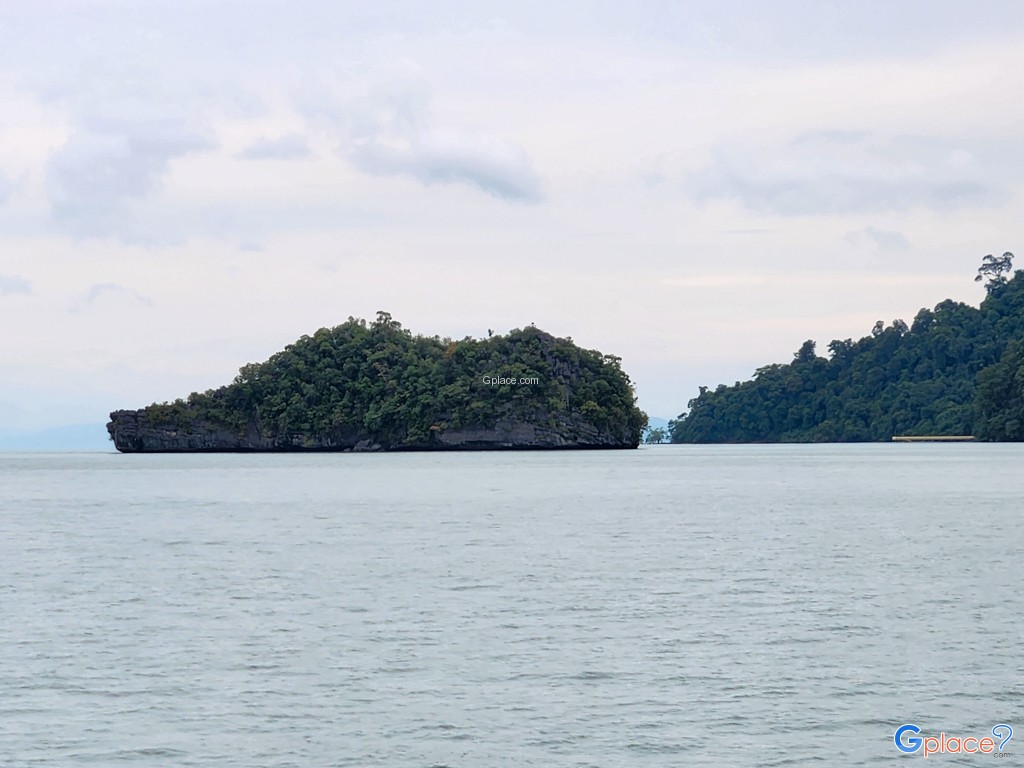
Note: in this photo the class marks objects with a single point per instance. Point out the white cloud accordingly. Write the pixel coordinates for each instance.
(882, 239)
(387, 128)
(106, 291)
(840, 172)
(499, 168)
(290, 147)
(14, 284)
(105, 167)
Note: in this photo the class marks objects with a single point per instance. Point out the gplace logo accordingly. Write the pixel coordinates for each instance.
(908, 741)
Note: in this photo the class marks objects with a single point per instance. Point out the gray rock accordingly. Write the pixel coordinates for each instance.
(132, 432)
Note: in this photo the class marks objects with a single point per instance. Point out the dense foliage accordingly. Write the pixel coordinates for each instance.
(378, 379)
(956, 370)
(1000, 397)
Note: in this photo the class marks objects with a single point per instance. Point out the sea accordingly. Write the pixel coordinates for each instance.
(766, 605)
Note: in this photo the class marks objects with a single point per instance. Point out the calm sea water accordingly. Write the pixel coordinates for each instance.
(672, 606)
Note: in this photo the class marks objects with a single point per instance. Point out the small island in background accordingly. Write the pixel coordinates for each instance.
(956, 370)
(377, 387)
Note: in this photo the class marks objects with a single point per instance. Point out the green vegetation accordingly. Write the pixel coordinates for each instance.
(656, 436)
(1000, 397)
(381, 381)
(956, 370)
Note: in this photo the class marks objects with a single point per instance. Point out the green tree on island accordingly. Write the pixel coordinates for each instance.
(656, 435)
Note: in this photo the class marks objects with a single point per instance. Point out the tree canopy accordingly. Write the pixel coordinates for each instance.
(381, 380)
(956, 370)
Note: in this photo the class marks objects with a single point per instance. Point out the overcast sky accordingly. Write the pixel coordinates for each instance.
(696, 187)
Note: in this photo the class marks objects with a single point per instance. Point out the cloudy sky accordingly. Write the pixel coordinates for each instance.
(696, 187)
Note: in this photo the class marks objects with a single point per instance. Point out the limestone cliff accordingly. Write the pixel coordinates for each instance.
(131, 433)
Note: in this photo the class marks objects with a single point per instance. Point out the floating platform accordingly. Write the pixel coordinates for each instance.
(934, 439)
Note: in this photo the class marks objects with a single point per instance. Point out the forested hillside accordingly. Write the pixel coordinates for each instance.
(955, 370)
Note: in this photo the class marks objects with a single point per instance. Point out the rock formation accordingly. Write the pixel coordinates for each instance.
(360, 387)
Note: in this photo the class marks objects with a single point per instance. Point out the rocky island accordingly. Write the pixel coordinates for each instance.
(377, 387)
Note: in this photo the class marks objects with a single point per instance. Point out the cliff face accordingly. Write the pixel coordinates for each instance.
(132, 432)
(136, 432)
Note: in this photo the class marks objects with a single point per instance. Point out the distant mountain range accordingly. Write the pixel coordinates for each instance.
(76, 438)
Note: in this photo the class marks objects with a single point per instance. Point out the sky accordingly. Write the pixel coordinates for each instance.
(696, 187)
